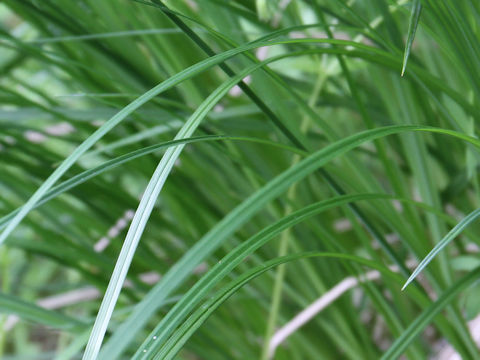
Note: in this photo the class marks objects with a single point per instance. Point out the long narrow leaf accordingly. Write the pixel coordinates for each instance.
(185, 306)
(401, 343)
(13, 305)
(412, 29)
(145, 208)
(187, 329)
(452, 234)
(177, 274)
(113, 163)
(376, 55)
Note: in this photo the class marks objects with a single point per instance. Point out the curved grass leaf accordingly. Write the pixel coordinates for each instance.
(419, 75)
(145, 208)
(186, 330)
(442, 90)
(150, 94)
(180, 337)
(452, 234)
(107, 35)
(412, 29)
(113, 163)
(177, 274)
(187, 303)
(194, 295)
(13, 305)
(401, 343)
(371, 53)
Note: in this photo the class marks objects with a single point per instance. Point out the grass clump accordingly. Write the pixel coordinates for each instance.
(237, 180)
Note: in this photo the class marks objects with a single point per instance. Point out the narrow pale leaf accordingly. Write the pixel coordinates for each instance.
(412, 29)
(457, 230)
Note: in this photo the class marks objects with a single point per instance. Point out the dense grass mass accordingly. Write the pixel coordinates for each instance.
(214, 179)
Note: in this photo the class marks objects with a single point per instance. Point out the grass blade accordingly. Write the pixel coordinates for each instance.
(412, 29)
(177, 274)
(280, 165)
(401, 343)
(187, 329)
(113, 163)
(167, 84)
(13, 305)
(186, 305)
(452, 234)
(127, 110)
(145, 208)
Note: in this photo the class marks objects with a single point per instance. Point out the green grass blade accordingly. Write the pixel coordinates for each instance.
(182, 308)
(113, 163)
(187, 329)
(93, 95)
(13, 305)
(401, 343)
(107, 35)
(144, 310)
(412, 29)
(452, 234)
(127, 110)
(167, 84)
(155, 340)
(146, 206)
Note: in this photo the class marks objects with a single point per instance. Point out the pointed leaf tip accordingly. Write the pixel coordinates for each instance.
(452, 234)
(406, 284)
(412, 28)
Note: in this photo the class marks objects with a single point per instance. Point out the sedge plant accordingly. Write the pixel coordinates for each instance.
(210, 179)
